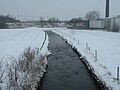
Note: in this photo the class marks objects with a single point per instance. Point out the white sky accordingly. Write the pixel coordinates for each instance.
(66, 9)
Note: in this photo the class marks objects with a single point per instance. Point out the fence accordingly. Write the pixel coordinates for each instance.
(94, 54)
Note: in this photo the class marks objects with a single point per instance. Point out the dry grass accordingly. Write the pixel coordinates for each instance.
(26, 72)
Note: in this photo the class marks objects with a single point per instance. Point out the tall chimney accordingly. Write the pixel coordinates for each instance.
(107, 8)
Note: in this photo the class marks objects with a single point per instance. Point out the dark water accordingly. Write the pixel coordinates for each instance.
(65, 70)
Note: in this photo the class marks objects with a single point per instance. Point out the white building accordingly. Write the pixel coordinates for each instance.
(108, 24)
(96, 24)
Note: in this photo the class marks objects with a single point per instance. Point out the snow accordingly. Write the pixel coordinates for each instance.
(107, 45)
(13, 43)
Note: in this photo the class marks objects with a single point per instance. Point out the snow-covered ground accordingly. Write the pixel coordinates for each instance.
(13, 45)
(107, 45)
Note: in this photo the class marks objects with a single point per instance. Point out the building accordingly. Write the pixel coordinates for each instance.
(96, 24)
(107, 24)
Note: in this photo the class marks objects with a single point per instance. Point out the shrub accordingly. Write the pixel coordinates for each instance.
(32, 65)
(25, 73)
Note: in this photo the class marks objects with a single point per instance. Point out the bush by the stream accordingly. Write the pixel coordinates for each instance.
(25, 73)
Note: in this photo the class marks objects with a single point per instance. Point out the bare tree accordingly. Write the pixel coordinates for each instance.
(92, 15)
(53, 21)
(42, 21)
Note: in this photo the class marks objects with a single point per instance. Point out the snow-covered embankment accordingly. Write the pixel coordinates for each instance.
(100, 49)
(22, 58)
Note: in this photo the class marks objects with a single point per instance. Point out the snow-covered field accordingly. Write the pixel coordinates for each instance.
(14, 44)
(107, 44)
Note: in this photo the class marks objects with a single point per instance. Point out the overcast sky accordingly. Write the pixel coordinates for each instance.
(66, 9)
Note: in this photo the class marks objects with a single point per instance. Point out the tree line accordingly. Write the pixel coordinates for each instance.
(4, 19)
(55, 22)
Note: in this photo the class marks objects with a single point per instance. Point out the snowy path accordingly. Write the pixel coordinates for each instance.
(65, 70)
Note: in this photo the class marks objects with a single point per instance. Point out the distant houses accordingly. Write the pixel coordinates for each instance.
(77, 23)
(44, 24)
(107, 24)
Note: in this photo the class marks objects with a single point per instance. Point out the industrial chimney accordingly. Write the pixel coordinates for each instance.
(107, 8)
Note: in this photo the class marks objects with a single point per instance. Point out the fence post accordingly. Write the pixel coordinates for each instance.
(86, 45)
(118, 74)
(73, 38)
(96, 55)
(78, 41)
